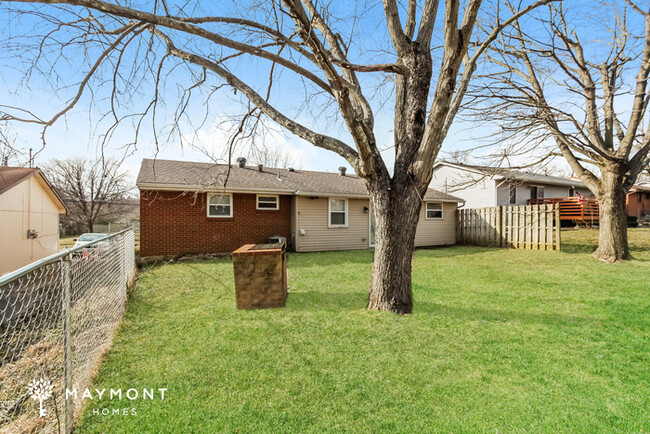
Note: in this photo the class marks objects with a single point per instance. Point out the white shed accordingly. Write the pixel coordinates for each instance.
(29, 217)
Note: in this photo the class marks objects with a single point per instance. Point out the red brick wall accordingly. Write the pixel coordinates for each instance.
(173, 223)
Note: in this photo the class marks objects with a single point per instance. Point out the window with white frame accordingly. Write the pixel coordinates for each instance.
(513, 195)
(338, 213)
(220, 205)
(433, 210)
(268, 201)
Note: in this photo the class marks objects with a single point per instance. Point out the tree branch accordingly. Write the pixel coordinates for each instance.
(189, 28)
(301, 131)
(397, 35)
(470, 64)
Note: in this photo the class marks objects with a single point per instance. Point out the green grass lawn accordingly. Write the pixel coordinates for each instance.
(67, 242)
(499, 341)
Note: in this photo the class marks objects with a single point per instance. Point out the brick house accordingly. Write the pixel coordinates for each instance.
(194, 208)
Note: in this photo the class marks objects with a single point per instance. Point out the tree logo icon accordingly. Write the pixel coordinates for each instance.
(41, 390)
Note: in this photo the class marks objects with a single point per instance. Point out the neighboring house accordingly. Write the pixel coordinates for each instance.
(185, 209)
(638, 201)
(29, 217)
(481, 186)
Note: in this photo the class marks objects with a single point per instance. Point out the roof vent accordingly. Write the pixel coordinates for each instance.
(342, 171)
(241, 161)
(291, 169)
(260, 168)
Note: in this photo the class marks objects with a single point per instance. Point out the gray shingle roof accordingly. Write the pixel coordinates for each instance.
(518, 175)
(11, 176)
(185, 175)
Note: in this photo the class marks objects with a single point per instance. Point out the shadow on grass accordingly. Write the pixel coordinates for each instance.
(330, 301)
(456, 250)
(318, 301)
(335, 258)
(573, 248)
(498, 315)
(585, 241)
(325, 259)
(582, 249)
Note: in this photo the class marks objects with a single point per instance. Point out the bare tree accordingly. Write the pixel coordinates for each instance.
(93, 190)
(301, 38)
(9, 154)
(560, 84)
(272, 157)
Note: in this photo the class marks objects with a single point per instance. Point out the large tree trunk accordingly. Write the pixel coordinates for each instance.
(612, 236)
(396, 218)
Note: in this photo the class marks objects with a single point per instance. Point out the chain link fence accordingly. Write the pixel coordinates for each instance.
(57, 319)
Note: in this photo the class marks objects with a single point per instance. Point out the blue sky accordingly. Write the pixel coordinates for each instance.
(80, 131)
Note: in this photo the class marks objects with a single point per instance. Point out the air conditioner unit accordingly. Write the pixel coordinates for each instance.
(277, 239)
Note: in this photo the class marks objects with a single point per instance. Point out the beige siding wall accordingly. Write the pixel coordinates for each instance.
(294, 222)
(437, 232)
(312, 218)
(27, 206)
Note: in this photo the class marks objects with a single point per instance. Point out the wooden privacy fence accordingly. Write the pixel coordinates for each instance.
(520, 227)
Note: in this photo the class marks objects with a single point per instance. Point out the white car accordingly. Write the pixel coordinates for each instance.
(88, 238)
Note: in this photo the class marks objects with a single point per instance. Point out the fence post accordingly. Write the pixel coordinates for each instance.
(68, 405)
(534, 228)
(558, 237)
(462, 226)
(499, 228)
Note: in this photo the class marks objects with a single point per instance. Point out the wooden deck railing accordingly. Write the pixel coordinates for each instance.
(572, 208)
